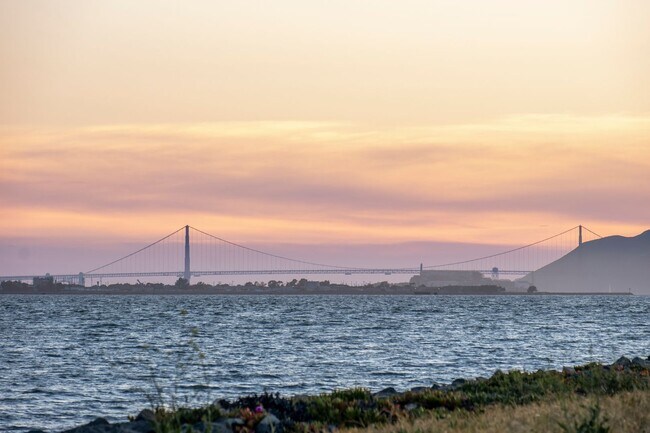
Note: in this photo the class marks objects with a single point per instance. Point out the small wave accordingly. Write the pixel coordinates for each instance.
(39, 391)
(199, 387)
(387, 373)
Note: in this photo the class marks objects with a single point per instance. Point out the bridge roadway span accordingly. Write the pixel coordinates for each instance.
(359, 271)
(317, 269)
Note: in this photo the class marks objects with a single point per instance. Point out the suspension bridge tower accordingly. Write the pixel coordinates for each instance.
(187, 274)
(580, 235)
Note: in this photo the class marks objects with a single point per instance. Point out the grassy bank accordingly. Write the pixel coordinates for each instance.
(626, 412)
(591, 398)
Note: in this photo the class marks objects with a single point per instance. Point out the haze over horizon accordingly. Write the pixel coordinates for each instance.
(458, 126)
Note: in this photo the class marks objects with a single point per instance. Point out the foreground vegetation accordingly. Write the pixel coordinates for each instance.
(626, 412)
(591, 398)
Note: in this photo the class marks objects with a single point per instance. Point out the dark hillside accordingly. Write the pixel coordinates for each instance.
(615, 262)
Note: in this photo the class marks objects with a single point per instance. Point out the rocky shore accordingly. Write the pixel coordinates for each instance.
(271, 413)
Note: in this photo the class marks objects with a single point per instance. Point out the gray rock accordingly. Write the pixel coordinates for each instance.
(437, 386)
(221, 427)
(219, 404)
(457, 383)
(137, 426)
(568, 370)
(146, 415)
(99, 421)
(232, 422)
(419, 389)
(269, 424)
(215, 427)
(141, 426)
(99, 425)
(411, 406)
(622, 362)
(385, 393)
(640, 362)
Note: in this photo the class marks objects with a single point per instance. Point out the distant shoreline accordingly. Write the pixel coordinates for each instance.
(239, 291)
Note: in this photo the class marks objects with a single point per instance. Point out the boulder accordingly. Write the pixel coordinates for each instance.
(568, 371)
(385, 393)
(419, 389)
(221, 427)
(622, 362)
(221, 403)
(99, 425)
(457, 383)
(215, 427)
(639, 362)
(233, 422)
(99, 421)
(137, 426)
(269, 424)
(146, 415)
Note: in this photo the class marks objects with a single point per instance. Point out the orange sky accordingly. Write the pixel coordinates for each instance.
(324, 122)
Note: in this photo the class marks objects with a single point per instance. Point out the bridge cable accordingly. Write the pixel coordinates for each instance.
(275, 255)
(135, 252)
(501, 253)
(592, 232)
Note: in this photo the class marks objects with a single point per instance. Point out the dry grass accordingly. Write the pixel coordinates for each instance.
(627, 412)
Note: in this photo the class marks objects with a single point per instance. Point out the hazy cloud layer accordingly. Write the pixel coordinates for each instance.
(329, 182)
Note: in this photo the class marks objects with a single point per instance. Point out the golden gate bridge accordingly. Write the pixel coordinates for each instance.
(190, 252)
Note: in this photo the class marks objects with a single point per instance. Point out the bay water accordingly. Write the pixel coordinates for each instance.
(65, 360)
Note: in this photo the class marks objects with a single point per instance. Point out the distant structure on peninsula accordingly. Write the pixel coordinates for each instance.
(440, 278)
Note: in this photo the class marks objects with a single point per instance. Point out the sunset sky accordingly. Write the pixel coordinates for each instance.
(319, 123)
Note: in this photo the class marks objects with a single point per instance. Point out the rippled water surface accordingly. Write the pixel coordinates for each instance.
(65, 360)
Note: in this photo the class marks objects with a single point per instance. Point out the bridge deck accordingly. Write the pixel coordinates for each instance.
(359, 271)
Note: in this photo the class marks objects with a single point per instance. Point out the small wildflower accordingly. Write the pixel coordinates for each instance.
(259, 409)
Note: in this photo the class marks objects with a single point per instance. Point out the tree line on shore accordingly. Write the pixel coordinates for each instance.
(182, 283)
